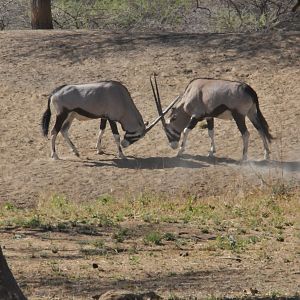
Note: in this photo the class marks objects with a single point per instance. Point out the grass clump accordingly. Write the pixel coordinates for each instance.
(168, 236)
(234, 243)
(261, 213)
(153, 238)
(121, 235)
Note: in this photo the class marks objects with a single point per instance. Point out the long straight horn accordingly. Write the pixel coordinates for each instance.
(163, 113)
(159, 104)
(155, 96)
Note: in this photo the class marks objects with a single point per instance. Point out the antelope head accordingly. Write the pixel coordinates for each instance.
(172, 133)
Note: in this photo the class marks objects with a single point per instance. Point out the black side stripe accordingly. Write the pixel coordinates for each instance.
(85, 113)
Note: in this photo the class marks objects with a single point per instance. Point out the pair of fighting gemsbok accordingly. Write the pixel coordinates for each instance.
(202, 99)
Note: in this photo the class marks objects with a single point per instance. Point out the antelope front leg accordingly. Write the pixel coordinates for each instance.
(193, 122)
(98, 145)
(116, 134)
(183, 144)
(69, 142)
(117, 141)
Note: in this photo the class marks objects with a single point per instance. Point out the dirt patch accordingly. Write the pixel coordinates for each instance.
(182, 268)
(34, 63)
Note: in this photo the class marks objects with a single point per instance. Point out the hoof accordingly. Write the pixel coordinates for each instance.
(77, 154)
(179, 154)
(244, 158)
(54, 156)
(243, 161)
(100, 152)
(210, 154)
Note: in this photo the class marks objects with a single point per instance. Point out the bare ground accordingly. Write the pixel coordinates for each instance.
(34, 63)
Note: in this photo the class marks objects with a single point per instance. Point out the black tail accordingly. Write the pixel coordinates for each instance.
(260, 123)
(46, 119)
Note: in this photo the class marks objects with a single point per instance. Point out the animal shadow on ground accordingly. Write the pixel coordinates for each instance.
(212, 160)
(289, 166)
(148, 163)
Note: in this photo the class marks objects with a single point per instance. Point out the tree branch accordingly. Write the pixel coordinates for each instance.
(203, 8)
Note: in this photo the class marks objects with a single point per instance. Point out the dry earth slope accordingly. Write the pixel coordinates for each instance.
(32, 63)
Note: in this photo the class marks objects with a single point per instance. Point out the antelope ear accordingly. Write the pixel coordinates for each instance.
(146, 123)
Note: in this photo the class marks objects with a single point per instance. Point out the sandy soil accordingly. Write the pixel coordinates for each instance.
(34, 63)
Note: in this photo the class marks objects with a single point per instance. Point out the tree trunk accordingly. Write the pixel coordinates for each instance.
(41, 17)
(9, 289)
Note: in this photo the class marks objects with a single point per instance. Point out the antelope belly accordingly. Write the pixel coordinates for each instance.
(226, 115)
(81, 117)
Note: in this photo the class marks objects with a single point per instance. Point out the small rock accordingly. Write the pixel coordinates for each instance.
(187, 71)
(95, 266)
(254, 291)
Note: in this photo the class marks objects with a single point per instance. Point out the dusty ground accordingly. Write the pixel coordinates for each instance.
(34, 63)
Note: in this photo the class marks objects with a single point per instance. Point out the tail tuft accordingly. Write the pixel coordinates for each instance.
(46, 119)
(264, 125)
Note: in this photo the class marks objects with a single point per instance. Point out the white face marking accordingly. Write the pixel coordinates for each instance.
(125, 143)
(174, 145)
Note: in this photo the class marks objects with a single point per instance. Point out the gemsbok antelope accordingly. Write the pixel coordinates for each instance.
(108, 100)
(212, 98)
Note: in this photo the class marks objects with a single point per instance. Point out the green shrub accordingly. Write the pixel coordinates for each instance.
(118, 13)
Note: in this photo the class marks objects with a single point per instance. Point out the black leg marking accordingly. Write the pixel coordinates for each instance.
(113, 126)
(59, 122)
(193, 122)
(114, 129)
(240, 122)
(60, 119)
(103, 124)
(210, 123)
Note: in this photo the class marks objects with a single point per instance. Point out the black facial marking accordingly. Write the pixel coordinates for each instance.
(173, 136)
(132, 137)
